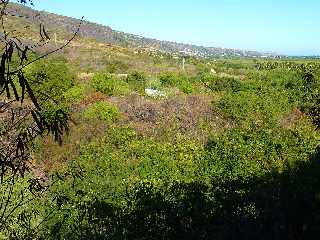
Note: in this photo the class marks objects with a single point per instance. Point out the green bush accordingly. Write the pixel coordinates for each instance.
(116, 67)
(311, 98)
(176, 80)
(52, 77)
(50, 81)
(25, 208)
(109, 84)
(244, 153)
(259, 101)
(56, 118)
(137, 81)
(121, 136)
(169, 79)
(186, 87)
(155, 84)
(238, 177)
(75, 94)
(102, 111)
(220, 83)
(185, 84)
(250, 107)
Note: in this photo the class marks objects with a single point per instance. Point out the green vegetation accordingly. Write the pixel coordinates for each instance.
(137, 81)
(231, 152)
(108, 84)
(141, 176)
(102, 111)
(75, 94)
(51, 76)
(116, 67)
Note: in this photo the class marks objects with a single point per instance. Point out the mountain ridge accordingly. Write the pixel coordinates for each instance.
(105, 34)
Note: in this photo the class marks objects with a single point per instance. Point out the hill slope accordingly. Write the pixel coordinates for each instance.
(106, 35)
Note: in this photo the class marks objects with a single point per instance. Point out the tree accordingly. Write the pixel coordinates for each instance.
(22, 117)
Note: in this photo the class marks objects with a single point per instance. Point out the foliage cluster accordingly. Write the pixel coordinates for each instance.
(180, 81)
(137, 81)
(126, 186)
(108, 84)
(51, 76)
(102, 111)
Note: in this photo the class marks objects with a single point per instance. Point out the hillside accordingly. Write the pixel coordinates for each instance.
(106, 35)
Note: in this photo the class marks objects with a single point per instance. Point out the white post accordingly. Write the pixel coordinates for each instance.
(55, 39)
(183, 63)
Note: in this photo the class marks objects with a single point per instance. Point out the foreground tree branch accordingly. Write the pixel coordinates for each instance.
(21, 116)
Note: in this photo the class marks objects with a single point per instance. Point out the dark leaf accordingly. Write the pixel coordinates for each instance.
(29, 90)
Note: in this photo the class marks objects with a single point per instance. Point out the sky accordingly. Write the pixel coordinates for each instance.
(289, 27)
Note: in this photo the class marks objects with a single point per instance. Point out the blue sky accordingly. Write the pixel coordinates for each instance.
(284, 26)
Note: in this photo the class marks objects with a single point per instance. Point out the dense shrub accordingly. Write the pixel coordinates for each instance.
(255, 107)
(263, 98)
(169, 79)
(244, 153)
(24, 209)
(52, 77)
(102, 111)
(116, 67)
(109, 84)
(255, 179)
(222, 83)
(137, 81)
(180, 81)
(75, 94)
(186, 87)
(265, 207)
(121, 136)
(311, 97)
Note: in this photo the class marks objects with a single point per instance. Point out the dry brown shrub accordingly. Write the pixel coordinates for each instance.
(85, 77)
(295, 115)
(54, 157)
(192, 116)
(93, 98)
(139, 109)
